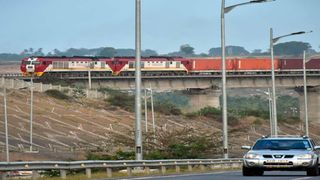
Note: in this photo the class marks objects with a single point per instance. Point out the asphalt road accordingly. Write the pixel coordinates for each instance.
(274, 175)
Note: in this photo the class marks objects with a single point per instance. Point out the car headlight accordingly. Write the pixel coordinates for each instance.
(304, 156)
(252, 156)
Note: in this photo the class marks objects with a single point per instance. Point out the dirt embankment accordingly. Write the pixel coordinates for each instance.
(67, 129)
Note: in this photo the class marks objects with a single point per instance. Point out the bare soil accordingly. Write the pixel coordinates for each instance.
(68, 129)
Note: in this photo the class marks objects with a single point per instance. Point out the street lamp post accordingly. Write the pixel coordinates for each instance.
(274, 103)
(6, 121)
(225, 10)
(305, 95)
(90, 64)
(31, 112)
(138, 133)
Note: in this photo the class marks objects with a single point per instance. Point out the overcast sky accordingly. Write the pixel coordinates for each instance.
(166, 24)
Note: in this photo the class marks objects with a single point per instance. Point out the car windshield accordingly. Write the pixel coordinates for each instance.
(283, 144)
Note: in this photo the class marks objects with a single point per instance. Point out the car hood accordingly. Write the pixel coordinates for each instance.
(280, 152)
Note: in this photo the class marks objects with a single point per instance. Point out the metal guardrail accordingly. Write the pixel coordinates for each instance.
(129, 165)
(10, 75)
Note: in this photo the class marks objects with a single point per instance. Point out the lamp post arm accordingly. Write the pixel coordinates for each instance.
(229, 8)
(274, 40)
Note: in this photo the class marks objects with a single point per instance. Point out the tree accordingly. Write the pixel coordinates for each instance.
(108, 52)
(149, 52)
(187, 49)
(56, 52)
(293, 48)
(230, 51)
(38, 52)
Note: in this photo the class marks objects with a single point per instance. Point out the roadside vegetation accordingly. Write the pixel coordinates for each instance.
(169, 145)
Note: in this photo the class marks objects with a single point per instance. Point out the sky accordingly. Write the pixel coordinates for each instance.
(166, 24)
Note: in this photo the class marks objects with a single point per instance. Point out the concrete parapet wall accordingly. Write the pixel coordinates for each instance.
(40, 87)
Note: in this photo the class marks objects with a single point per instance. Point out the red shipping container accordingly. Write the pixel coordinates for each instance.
(313, 64)
(255, 64)
(292, 63)
(204, 64)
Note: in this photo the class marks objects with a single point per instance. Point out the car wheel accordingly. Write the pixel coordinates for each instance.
(313, 171)
(258, 172)
(247, 171)
(251, 171)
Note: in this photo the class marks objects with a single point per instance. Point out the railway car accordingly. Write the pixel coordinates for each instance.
(255, 65)
(233, 65)
(158, 66)
(203, 66)
(103, 66)
(66, 66)
(292, 65)
(153, 66)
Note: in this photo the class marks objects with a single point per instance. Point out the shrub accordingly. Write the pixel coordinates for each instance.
(57, 94)
(167, 108)
(210, 112)
(121, 99)
(78, 93)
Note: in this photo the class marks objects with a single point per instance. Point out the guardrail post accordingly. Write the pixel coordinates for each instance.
(3, 176)
(177, 169)
(63, 174)
(41, 87)
(202, 167)
(163, 169)
(147, 170)
(35, 175)
(190, 167)
(87, 93)
(109, 172)
(12, 83)
(129, 171)
(88, 172)
(236, 165)
(3, 82)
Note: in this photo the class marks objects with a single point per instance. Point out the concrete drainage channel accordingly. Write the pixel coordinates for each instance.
(128, 168)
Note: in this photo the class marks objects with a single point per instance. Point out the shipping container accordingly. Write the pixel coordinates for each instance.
(313, 64)
(255, 64)
(207, 64)
(291, 64)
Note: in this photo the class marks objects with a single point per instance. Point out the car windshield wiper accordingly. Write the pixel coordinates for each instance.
(279, 149)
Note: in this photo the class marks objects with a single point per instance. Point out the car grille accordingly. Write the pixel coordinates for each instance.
(277, 156)
(278, 163)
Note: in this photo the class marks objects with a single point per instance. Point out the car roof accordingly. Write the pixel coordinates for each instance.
(285, 137)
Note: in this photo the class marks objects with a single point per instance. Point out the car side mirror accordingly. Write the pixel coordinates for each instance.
(246, 147)
(317, 147)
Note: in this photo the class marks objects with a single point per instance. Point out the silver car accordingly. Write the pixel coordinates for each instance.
(281, 154)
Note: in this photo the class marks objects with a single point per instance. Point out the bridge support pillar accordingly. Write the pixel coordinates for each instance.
(63, 174)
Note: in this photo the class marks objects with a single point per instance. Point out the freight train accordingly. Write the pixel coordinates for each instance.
(47, 66)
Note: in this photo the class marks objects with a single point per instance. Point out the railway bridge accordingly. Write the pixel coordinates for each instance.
(164, 83)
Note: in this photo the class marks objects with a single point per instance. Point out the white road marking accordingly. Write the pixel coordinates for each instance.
(302, 178)
(174, 176)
